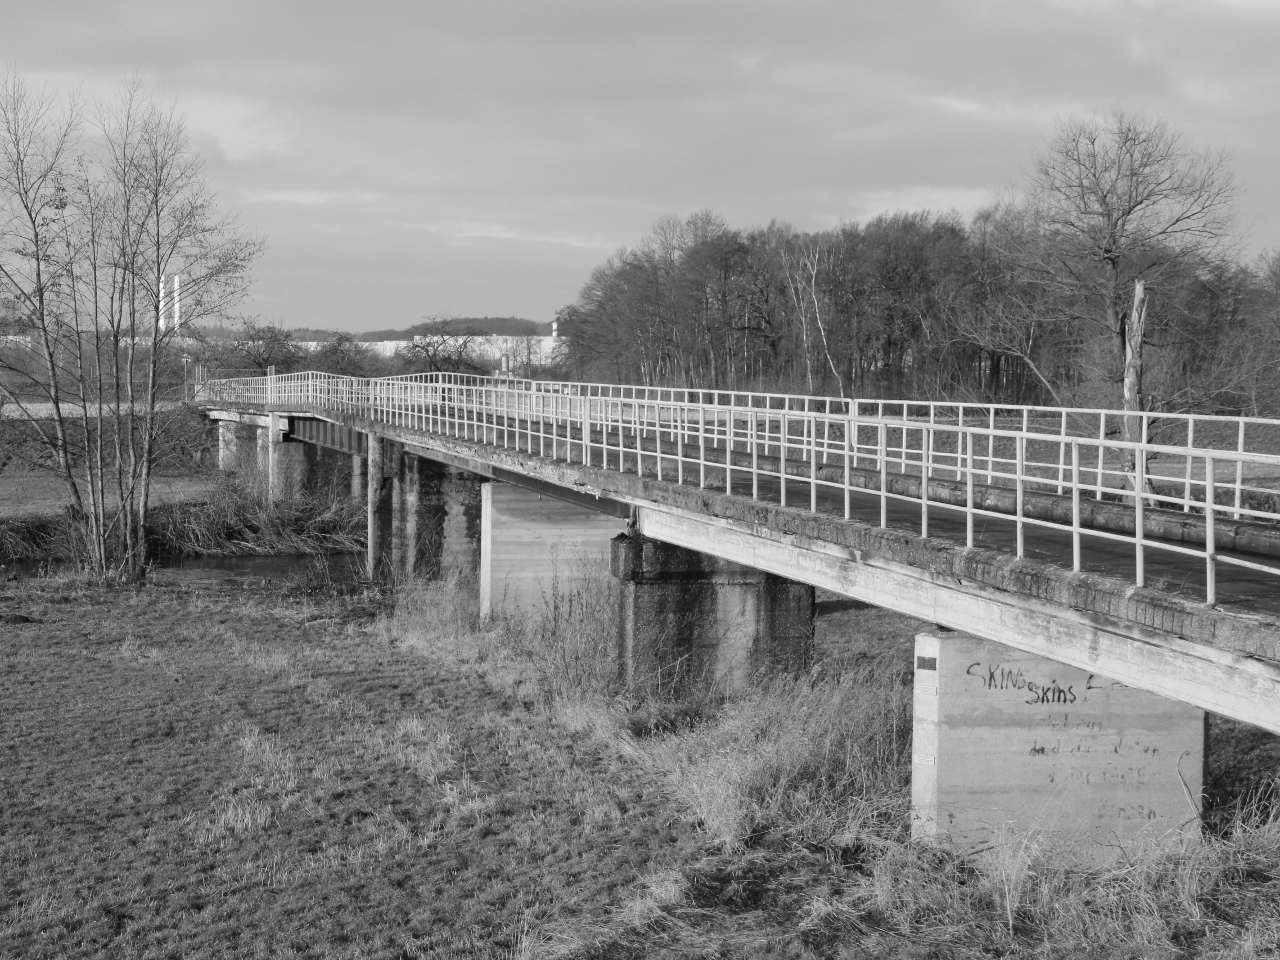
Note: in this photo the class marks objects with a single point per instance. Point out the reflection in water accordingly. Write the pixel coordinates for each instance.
(212, 571)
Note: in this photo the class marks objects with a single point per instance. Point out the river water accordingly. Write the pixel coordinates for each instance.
(225, 571)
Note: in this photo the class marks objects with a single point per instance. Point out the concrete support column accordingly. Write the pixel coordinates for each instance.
(228, 454)
(286, 462)
(460, 524)
(373, 559)
(1005, 741)
(288, 470)
(412, 506)
(263, 458)
(534, 549)
(691, 617)
(357, 478)
(398, 457)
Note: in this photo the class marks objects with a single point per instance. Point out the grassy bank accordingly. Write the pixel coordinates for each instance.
(310, 769)
(800, 788)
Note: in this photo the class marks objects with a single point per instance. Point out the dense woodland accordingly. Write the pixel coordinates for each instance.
(1031, 301)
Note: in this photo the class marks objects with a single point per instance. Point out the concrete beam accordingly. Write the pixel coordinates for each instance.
(1207, 677)
(232, 416)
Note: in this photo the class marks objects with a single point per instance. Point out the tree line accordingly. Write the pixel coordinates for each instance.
(1111, 278)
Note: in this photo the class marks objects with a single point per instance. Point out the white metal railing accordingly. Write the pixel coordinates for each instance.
(1027, 466)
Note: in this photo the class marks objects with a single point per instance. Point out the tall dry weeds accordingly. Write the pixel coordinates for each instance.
(822, 762)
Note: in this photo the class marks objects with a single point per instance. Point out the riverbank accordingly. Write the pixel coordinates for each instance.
(222, 773)
(320, 768)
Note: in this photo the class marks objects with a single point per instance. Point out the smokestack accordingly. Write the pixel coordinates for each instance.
(177, 301)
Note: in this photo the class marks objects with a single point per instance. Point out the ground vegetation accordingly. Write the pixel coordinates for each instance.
(319, 768)
(799, 788)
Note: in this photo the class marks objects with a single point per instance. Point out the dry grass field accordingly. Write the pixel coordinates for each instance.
(236, 775)
(302, 770)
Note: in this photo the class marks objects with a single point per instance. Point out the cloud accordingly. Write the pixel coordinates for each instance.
(482, 157)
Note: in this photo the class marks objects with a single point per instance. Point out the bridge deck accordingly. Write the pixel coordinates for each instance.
(1023, 545)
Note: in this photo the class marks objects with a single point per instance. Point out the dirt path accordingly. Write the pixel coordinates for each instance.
(231, 774)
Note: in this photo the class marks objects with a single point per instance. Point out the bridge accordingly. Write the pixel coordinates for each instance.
(1153, 561)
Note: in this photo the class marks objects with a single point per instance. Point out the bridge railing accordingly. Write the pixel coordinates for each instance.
(1040, 467)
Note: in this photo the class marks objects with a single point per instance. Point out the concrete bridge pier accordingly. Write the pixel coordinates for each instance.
(228, 447)
(458, 510)
(535, 549)
(281, 463)
(357, 478)
(680, 615)
(1005, 742)
(419, 517)
(689, 616)
(382, 454)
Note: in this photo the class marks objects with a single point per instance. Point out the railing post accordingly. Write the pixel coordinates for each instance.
(926, 445)
(783, 430)
(1102, 455)
(1239, 471)
(883, 443)
(1062, 451)
(991, 448)
(968, 502)
(1186, 480)
(1075, 507)
(728, 451)
(813, 464)
(1210, 547)
(850, 437)
(1020, 482)
(755, 455)
(1139, 520)
(702, 443)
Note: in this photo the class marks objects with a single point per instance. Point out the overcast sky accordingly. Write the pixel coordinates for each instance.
(479, 158)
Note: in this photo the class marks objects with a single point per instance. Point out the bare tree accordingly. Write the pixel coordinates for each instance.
(1123, 204)
(447, 348)
(104, 233)
(38, 140)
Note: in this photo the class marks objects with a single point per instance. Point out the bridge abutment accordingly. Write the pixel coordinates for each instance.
(1005, 742)
(689, 616)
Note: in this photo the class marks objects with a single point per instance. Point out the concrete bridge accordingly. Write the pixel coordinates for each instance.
(1151, 563)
